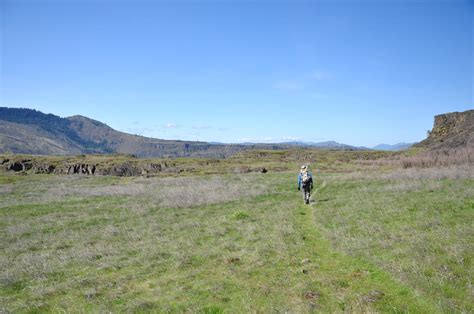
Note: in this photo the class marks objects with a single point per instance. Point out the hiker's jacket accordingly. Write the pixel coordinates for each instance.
(300, 179)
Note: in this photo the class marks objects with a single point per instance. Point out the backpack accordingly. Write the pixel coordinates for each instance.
(305, 178)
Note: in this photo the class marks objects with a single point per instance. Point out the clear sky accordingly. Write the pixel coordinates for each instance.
(357, 72)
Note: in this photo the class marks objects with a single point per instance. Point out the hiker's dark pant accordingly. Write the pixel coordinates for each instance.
(306, 193)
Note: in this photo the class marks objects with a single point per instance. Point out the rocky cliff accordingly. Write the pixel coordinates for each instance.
(451, 130)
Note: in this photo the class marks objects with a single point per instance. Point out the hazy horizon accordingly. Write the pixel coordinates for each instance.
(360, 73)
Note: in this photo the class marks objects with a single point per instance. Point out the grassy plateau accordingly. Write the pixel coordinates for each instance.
(375, 238)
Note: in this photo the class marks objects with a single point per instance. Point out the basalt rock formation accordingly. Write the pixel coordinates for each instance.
(451, 131)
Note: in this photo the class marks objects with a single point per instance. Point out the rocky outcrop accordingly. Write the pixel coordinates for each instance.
(122, 170)
(80, 169)
(43, 168)
(22, 165)
(451, 130)
(125, 169)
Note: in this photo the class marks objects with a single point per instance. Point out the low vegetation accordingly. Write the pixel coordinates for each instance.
(243, 162)
(417, 158)
(221, 236)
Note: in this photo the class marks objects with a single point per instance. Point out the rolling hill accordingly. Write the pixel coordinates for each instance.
(28, 131)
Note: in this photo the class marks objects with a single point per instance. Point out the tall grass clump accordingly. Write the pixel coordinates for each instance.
(440, 158)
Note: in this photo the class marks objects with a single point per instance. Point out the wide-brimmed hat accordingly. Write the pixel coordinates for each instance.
(304, 167)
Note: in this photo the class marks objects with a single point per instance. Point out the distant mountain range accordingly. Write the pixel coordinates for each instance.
(328, 144)
(395, 147)
(27, 131)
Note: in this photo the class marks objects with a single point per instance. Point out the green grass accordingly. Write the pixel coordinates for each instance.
(384, 242)
(419, 230)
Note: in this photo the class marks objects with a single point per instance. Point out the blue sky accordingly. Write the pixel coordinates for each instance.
(357, 72)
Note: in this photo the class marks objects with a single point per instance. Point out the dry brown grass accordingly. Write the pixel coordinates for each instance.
(426, 159)
(164, 192)
(460, 172)
(174, 192)
(440, 158)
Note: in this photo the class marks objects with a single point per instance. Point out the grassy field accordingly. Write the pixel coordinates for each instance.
(391, 240)
(242, 162)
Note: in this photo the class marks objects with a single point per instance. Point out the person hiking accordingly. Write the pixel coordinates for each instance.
(305, 183)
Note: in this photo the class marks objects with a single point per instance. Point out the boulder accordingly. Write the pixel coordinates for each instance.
(152, 167)
(90, 169)
(125, 170)
(16, 166)
(43, 168)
